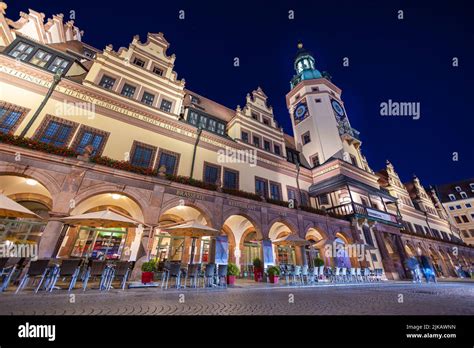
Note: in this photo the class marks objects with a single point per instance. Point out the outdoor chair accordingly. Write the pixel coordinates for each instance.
(305, 275)
(208, 275)
(96, 269)
(193, 274)
(378, 274)
(359, 275)
(353, 276)
(222, 275)
(8, 266)
(119, 271)
(174, 272)
(366, 275)
(297, 275)
(37, 270)
(69, 268)
(313, 275)
(344, 274)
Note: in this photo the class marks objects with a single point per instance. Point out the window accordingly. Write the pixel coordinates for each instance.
(465, 234)
(148, 98)
(165, 105)
(211, 173)
(292, 156)
(220, 128)
(458, 188)
(315, 160)
(194, 100)
(418, 229)
(158, 71)
(202, 122)
(261, 187)
(305, 199)
(254, 115)
(364, 201)
(139, 62)
(169, 160)
(367, 235)
(10, 117)
(207, 123)
(275, 191)
(128, 90)
(90, 136)
(458, 207)
(266, 121)
(471, 185)
(458, 219)
(245, 136)
(468, 205)
(306, 138)
(193, 118)
(256, 141)
(231, 179)
(463, 195)
(427, 231)
(266, 145)
(56, 133)
(41, 58)
(464, 219)
(277, 149)
(142, 155)
(21, 51)
(451, 208)
(211, 125)
(107, 82)
(292, 194)
(452, 197)
(323, 199)
(318, 100)
(58, 65)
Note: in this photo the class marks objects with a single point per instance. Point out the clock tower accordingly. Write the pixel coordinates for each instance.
(320, 124)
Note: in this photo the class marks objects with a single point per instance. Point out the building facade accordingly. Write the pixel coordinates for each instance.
(457, 199)
(84, 129)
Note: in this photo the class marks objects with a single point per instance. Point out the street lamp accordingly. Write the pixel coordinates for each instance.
(56, 79)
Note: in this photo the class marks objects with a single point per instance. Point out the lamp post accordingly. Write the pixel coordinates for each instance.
(56, 79)
(194, 150)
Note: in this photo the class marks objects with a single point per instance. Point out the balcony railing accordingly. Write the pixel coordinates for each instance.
(349, 209)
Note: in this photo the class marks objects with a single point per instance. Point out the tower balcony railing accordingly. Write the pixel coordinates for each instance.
(359, 210)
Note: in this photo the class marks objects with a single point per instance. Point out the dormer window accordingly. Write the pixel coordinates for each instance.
(194, 100)
(266, 121)
(471, 185)
(452, 197)
(254, 115)
(463, 195)
(139, 62)
(458, 188)
(157, 71)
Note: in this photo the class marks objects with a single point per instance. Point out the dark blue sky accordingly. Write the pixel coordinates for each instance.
(404, 60)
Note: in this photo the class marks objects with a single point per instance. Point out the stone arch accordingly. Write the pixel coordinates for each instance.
(251, 216)
(280, 222)
(203, 210)
(43, 177)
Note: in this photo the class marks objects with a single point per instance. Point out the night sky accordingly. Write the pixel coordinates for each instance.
(407, 60)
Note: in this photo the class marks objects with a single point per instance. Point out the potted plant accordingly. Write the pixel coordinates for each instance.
(274, 274)
(148, 269)
(317, 262)
(232, 272)
(257, 269)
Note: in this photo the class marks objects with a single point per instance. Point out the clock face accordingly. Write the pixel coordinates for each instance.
(300, 112)
(338, 109)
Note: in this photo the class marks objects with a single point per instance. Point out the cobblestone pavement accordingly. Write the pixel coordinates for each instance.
(366, 299)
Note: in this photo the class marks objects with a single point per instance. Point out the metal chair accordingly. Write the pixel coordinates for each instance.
(8, 266)
(208, 275)
(193, 274)
(366, 275)
(120, 271)
(69, 268)
(344, 274)
(38, 269)
(353, 275)
(297, 274)
(321, 273)
(95, 269)
(174, 272)
(359, 275)
(305, 275)
(222, 275)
